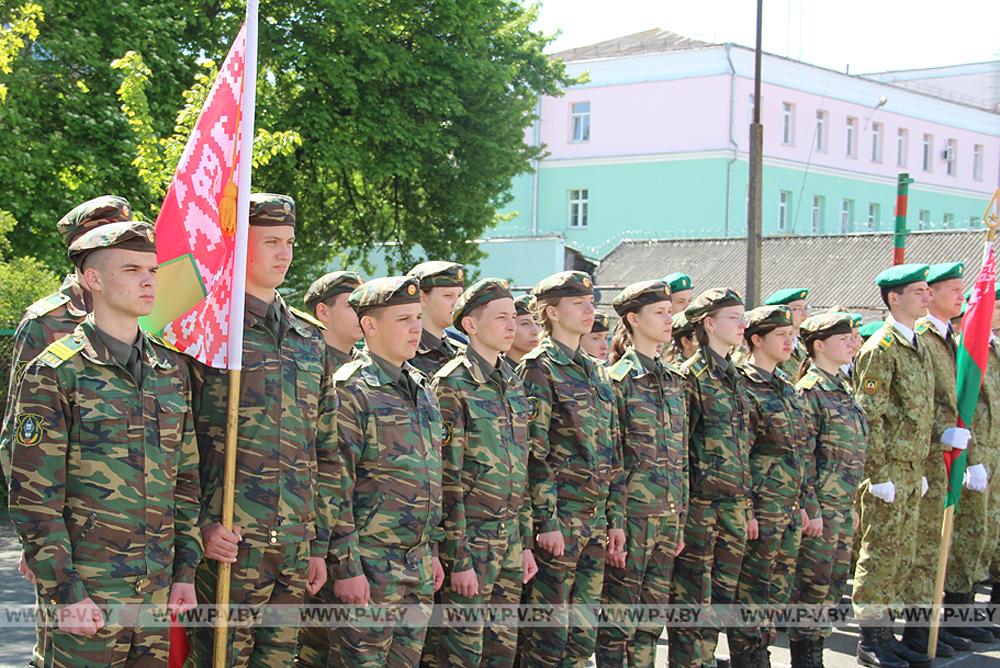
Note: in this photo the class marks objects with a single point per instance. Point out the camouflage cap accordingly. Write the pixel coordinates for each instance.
(825, 325)
(523, 305)
(439, 274)
(902, 274)
(637, 295)
(330, 285)
(786, 296)
(944, 271)
(480, 293)
(382, 292)
(678, 281)
(564, 284)
(709, 301)
(129, 235)
(270, 210)
(602, 323)
(763, 319)
(93, 213)
(681, 326)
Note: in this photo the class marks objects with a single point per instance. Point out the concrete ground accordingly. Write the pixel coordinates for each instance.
(17, 643)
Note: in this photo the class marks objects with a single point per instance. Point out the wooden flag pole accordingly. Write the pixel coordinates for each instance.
(228, 493)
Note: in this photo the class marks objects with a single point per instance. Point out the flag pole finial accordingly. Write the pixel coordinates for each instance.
(991, 218)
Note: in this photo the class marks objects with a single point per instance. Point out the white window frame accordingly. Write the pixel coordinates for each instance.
(947, 220)
(877, 142)
(788, 124)
(977, 162)
(579, 208)
(927, 157)
(951, 157)
(851, 137)
(821, 142)
(874, 215)
(579, 122)
(818, 209)
(902, 146)
(846, 215)
(784, 209)
(924, 219)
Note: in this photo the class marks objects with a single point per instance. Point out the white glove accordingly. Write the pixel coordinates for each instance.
(956, 437)
(924, 487)
(884, 490)
(976, 478)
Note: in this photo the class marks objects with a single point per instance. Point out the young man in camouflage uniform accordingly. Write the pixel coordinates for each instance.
(707, 570)
(487, 548)
(527, 331)
(574, 469)
(384, 548)
(649, 397)
(895, 383)
(326, 299)
(777, 480)
(287, 468)
(795, 300)
(104, 478)
(441, 284)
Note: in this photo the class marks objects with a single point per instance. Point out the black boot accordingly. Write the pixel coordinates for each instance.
(816, 652)
(969, 632)
(916, 639)
(762, 658)
(957, 643)
(873, 650)
(799, 649)
(915, 659)
(995, 594)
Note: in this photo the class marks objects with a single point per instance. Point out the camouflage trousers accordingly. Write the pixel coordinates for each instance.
(706, 573)
(261, 576)
(397, 576)
(577, 577)
(41, 638)
(768, 570)
(823, 567)
(919, 588)
(887, 543)
(115, 644)
(977, 531)
(645, 580)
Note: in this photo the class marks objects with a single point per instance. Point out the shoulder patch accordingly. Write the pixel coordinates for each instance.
(885, 342)
(450, 367)
(47, 304)
(449, 432)
(694, 366)
(59, 351)
(921, 328)
(302, 315)
(532, 408)
(345, 372)
(30, 428)
(808, 381)
(620, 369)
(870, 385)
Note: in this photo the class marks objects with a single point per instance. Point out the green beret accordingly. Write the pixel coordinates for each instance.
(330, 285)
(786, 296)
(439, 274)
(944, 271)
(681, 326)
(637, 295)
(763, 319)
(677, 281)
(709, 301)
(93, 213)
(902, 274)
(523, 305)
(480, 293)
(564, 284)
(825, 325)
(601, 324)
(382, 292)
(868, 329)
(269, 210)
(129, 235)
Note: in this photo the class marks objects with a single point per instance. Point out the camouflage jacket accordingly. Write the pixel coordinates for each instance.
(943, 360)
(791, 366)
(104, 485)
(46, 320)
(390, 442)
(778, 429)
(719, 424)
(287, 467)
(985, 445)
(893, 386)
(652, 424)
(575, 460)
(484, 457)
(434, 353)
(837, 433)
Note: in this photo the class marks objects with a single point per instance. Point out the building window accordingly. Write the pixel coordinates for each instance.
(924, 219)
(852, 137)
(874, 215)
(928, 159)
(902, 142)
(947, 221)
(784, 209)
(977, 162)
(973, 221)
(821, 132)
(819, 205)
(578, 204)
(846, 215)
(876, 142)
(580, 118)
(787, 123)
(950, 154)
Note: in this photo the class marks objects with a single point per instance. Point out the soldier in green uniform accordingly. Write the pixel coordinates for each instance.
(384, 547)
(596, 343)
(287, 468)
(104, 477)
(441, 284)
(527, 332)
(834, 455)
(649, 396)
(935, 332)
(795, 300)
(706, 572)
(894, 386)
(777, 479)
(574, 469)
(487, 548)
(326, 299)
(681, 292)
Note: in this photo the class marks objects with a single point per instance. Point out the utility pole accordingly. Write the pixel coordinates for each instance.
(899, 239)
(754, 242)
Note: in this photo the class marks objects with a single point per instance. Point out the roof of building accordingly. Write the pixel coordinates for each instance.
(838, 270)
(640, 43)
